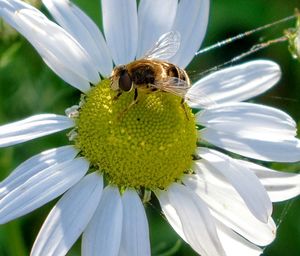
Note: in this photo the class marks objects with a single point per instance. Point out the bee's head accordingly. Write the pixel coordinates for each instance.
(121, 79)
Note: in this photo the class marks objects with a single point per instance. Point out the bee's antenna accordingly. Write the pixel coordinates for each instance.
(247, 33)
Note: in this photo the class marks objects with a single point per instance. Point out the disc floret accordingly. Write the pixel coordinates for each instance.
(149, 145)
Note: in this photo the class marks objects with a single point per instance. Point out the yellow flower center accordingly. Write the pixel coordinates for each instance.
(148, 145)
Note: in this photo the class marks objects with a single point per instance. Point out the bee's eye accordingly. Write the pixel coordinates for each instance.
(125, 82)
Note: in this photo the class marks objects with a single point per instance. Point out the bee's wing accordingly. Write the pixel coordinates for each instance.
(181, 88)
(199, 100)
(166, 46)
(173, 85)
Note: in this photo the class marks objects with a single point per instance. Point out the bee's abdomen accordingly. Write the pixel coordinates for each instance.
(174, 71)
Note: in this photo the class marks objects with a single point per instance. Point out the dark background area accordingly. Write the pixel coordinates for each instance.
(28, 87)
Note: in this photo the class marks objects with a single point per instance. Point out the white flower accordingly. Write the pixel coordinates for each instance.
(223, 207)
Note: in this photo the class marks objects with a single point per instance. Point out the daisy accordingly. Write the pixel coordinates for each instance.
(218, 204)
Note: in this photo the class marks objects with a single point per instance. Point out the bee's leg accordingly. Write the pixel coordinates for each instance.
(135, 101)
(117, 95)
(135, 95)
(184, 108)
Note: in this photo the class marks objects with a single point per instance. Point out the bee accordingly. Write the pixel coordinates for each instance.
(153, 72)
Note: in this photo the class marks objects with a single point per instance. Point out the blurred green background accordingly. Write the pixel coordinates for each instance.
(28, 87)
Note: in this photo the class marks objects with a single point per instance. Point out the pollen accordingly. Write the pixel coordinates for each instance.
(148, 145)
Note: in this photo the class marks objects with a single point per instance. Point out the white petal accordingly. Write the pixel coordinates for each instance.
(46, 34)
(248, 120)
(279, 185)
(34, 165)
(103, 234)
(243, 180)
(65, 73)
(7, 10)
(265, 149)
(135, 233)
(170, 213)
(121, 29)
(237, 83)
(33, 127)
(52, 42)
(41, 188)
(155, 19)
(227, 205)
(197, 223)
(69, 217)
(15, 5)
(235, 245)
(191, 22)
(84, 30)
